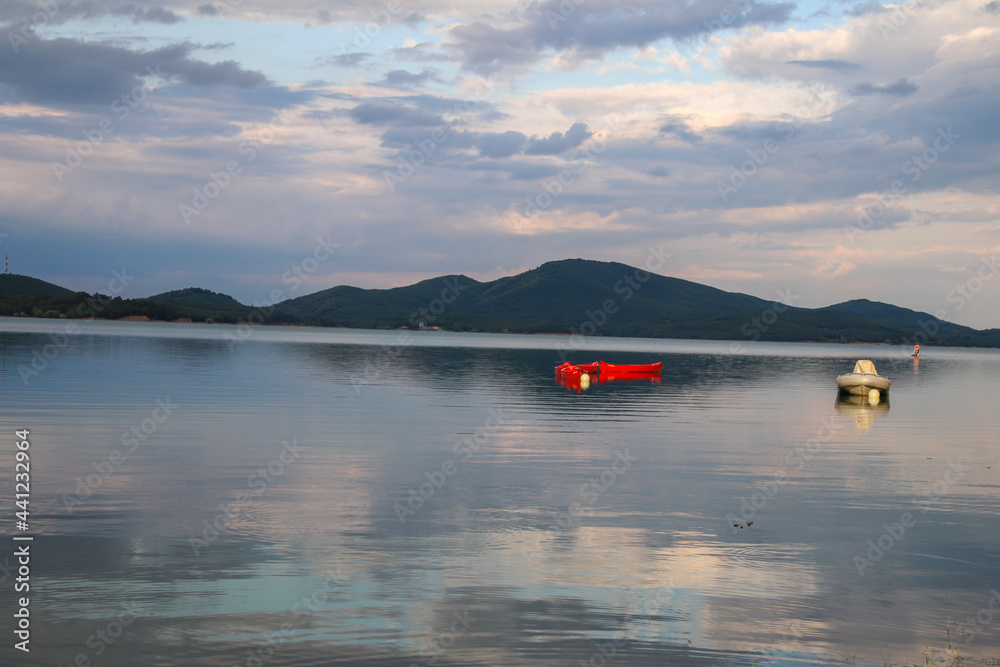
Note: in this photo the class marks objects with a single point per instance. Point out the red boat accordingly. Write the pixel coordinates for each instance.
(653, 377)
(604, 367)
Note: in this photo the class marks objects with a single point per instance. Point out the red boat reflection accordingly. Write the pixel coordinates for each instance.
(574, 382)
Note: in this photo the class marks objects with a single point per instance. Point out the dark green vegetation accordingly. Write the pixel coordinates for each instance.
(21, 296)
(202, 305)
(13, 284)
(569, 296)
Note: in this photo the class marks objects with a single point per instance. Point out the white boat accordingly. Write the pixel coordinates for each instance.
(864, 379)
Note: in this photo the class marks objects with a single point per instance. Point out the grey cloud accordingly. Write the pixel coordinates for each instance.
(401, 137)
(679, 129)
(423, 52)
(992, 7)
(147, 14)
(901, 88)
(866, 8)
(382, 113)
(67, 71)
(399, 78)
(22, 10)
(225, 73)
(835, 65)
(486, 49)
(501, 144)
(558, 142)
(407, 131)
(436, 104)
(348, 59)
(589, 30)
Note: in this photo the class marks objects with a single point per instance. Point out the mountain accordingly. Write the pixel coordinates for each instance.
(913, 321)
(12, 284)
(612, 299)
(556, 297)
(40, 299)
(887, 313)
(196, 297)
(568, 296)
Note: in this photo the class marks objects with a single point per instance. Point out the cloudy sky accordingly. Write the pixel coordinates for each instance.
(840, 149)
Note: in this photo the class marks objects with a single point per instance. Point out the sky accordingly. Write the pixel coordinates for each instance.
(831, 150)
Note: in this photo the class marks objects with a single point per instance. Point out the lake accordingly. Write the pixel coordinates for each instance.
(211, 495)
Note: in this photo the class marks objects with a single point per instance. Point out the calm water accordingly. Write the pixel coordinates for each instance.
(441, 499)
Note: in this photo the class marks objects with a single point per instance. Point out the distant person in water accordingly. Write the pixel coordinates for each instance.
(916, 350)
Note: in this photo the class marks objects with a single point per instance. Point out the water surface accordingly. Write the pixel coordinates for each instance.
(297, 496)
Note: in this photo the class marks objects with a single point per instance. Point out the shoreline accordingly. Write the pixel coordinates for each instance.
(144, 319)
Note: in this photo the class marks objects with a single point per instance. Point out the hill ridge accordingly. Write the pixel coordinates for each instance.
(570, 296)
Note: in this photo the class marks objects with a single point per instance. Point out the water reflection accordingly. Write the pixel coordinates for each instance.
(863, 409)
(456, 505)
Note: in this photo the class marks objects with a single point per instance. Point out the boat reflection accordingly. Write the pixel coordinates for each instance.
(575, 384)
(862, 408)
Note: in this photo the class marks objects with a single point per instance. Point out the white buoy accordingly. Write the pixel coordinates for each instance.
(874, 396)
(585, 380)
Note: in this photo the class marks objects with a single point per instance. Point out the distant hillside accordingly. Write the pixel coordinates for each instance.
(913, 320)
(12, 284)
(555, 297)
(887, 313)
(568, 296)
(193, 304)
(607, 298)
(195, 297)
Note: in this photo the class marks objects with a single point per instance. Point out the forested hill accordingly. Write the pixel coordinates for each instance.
(567, 296)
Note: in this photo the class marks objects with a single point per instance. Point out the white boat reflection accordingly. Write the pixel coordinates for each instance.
(862, 408)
